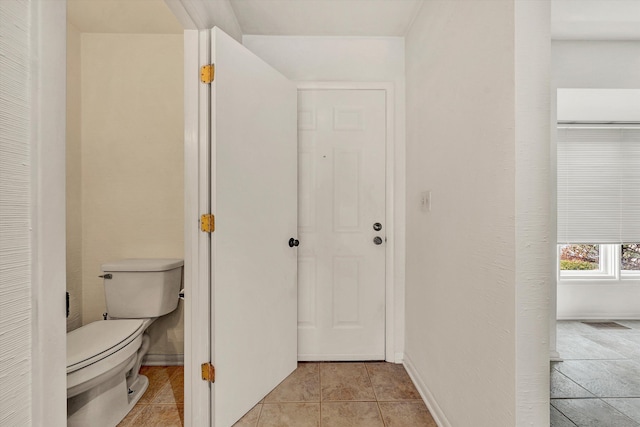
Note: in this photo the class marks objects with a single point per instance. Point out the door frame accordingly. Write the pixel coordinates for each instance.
(197, 245)
(394, 254)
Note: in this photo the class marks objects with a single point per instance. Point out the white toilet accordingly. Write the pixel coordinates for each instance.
(104, 357)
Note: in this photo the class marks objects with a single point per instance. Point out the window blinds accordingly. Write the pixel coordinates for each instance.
(598, 184)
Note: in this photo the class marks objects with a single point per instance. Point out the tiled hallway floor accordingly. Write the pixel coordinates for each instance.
(372, 394)
(598, 383)
(342, 394)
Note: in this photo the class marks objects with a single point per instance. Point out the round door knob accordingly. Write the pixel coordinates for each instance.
(377, 226)
(377, 240)
(293, 242)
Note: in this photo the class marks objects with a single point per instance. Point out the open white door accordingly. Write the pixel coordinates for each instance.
(254, 200)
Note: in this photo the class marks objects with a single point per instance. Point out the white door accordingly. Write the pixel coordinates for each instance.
(341, 224)
(254, 199)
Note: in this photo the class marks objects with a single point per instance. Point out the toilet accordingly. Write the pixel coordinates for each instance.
(104, 357)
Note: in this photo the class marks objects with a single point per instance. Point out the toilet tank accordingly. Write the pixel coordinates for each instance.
(137, 288)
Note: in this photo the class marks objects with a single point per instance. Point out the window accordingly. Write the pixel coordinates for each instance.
(598, 201)
(598, 184)
(630, 258)
(587, 261)
(580, 257)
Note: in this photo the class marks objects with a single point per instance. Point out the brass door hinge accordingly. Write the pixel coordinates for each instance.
(208, 372)
(207, 73)
(208, 223)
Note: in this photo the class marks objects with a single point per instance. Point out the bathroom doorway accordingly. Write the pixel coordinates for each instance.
(125, 153)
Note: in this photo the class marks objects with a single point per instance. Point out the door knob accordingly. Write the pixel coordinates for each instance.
(377, 226)
(293, 242)
(377, 240)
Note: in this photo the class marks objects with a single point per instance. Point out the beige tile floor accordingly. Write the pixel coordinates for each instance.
(162, 405)
(372, 394)
(342, 394)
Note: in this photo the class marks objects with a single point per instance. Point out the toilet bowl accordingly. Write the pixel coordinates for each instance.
(100, 358)
(104, 357)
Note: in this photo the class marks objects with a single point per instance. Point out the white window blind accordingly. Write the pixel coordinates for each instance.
(598, 184)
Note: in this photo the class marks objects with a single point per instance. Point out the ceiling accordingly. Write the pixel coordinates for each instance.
(571, 19)
(326, 17)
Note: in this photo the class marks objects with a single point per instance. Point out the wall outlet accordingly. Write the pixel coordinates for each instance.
(425, 201)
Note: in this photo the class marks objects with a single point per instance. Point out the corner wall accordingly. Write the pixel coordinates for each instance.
(471, 259)
(461, 255)
(132, 163)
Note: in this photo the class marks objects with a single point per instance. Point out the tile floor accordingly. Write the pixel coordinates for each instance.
(342, 394)
(598, 383)
(371, 394)
(162, 405)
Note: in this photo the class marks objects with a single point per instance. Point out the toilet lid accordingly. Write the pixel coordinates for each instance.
(99, 338)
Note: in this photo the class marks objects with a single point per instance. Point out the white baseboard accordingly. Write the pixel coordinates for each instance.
(437, 413)
(163, 360)
(339, 357)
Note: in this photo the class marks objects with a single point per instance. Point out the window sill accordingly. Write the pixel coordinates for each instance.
(600, 281)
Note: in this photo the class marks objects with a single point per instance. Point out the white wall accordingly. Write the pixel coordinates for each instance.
(534, 224)
(595, 65)
(32, 256)
(352, 59)
(598, 105)
(461, 255)
(477, 107)
(15, 216)
(74, 179)
(132, 163)
(48, 48)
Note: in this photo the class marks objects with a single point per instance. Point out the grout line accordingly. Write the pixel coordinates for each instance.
(615, 409)
(259, 414)
(375, 395)
(380, 413)
(366, 368)
(320, 385)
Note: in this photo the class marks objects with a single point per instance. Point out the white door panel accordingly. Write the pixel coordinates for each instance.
(254, 199)
(341, 279)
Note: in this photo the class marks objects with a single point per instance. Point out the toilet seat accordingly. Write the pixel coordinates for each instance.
(98, 340)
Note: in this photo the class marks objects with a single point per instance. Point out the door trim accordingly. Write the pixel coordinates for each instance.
(394, 254)
(197, 347)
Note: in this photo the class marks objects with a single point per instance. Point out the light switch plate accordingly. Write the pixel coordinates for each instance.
(425, 201)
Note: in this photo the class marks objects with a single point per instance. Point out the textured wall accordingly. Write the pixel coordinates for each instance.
(461, 256)
(132, 162)
(74, 180)
(15, 215)
(535, 229)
